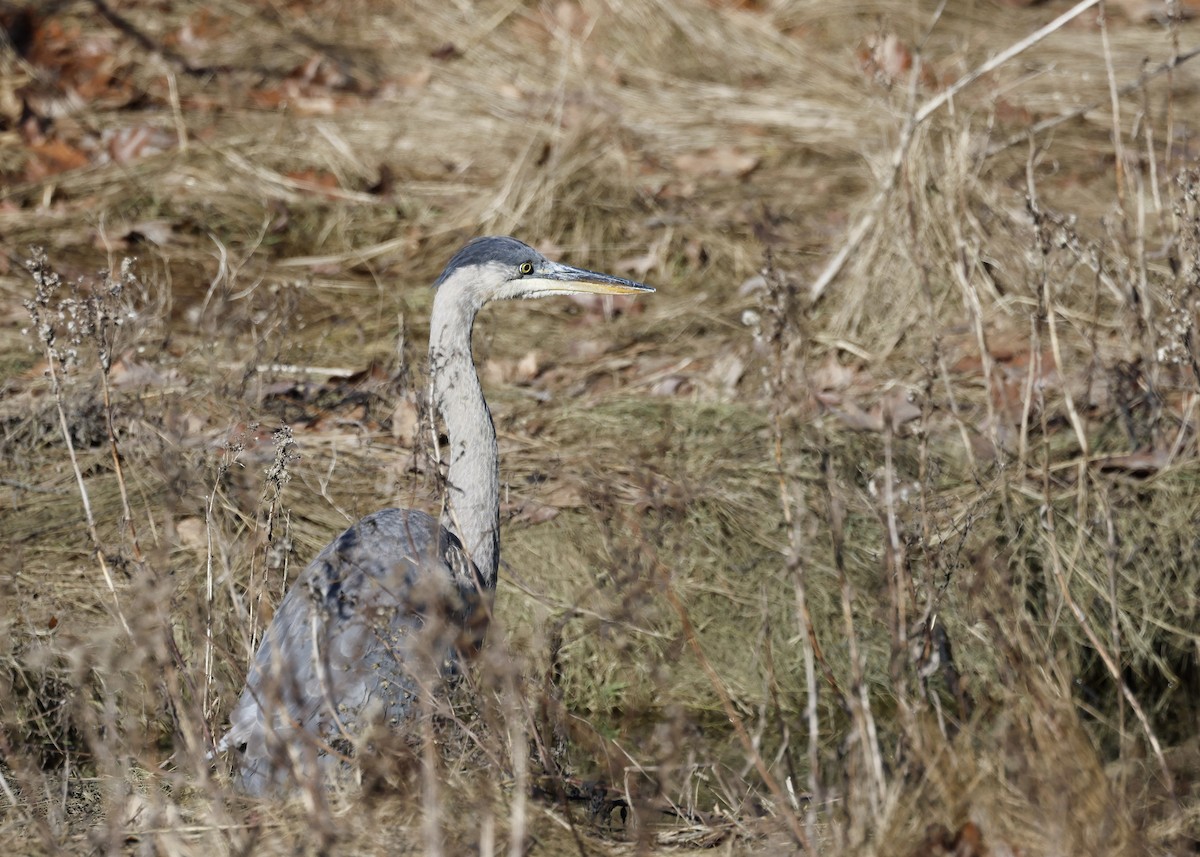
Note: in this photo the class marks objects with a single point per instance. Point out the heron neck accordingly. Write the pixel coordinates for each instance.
(473, 485)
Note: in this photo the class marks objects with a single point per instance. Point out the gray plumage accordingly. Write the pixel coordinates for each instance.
(394, 601)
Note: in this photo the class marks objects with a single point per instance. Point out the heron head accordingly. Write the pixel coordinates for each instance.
(500, 268)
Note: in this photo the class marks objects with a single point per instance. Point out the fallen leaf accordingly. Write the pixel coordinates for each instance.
(639, 266)
(721, 161)
(939, 842)
(528, 367)
(897, 407)
(849, 413)
(199, 32)
(51, 158)
(85, 67)
(889, 61)
(546, 506)
(605, 307)
(320, 182)
(446, 51)
(319, 71)
(158, 232)
(832, 375)
(885, 58)
(536, 513)
(894, 409)
(669, 386)
(756, 283)
(192, 533)
(587, 349)
(129, 374)
(497, 370)
(1139, 464)
(406, 418)
(415, 81)
(125, 145)
(727, 370)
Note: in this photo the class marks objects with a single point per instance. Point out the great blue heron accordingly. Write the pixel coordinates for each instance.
(399, 588)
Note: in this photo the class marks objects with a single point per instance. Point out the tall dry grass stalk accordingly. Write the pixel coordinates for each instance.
(890, 551)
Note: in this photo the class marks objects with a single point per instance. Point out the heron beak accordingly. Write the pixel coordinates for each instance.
(564, 278)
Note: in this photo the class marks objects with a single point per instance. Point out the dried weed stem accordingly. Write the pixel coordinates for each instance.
(735, 720)
(915, 119)
(79, 319)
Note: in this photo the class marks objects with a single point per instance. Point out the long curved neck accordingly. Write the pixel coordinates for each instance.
(473, 491)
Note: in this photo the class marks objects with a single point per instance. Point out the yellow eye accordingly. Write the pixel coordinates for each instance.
(526, 268)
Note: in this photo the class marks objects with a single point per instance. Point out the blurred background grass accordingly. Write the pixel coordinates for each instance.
(923, 550)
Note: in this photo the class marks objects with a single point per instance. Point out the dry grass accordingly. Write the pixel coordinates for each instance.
(921, 552)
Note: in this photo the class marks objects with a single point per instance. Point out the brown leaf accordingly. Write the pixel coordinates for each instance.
(586, 349)
(412, 83)
(832, 375)
(130, 374)
(51, 158)
(536, 513)
(889, 61)
(319, 71)
(157, 232)
(446, 51)
(497, 371)
(722, 162)
(85, 65)
(897, 408)
(539, 510)
(606, 307)
(565, 497)
(727, 370)
(885, 58)
(1139, 464)
(130, 144)
(850, 413)
(192, 533)
(319, 182)
(670, 386)
(939, 842)
(405, 420)
(199, 31)
(528, 367)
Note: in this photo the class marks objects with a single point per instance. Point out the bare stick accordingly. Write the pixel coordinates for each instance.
(1115, 106)
(83, 492)
(106, 391)
(519, 748)
(860, 708)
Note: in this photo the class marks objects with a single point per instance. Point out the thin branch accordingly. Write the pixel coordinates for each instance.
(84, 497)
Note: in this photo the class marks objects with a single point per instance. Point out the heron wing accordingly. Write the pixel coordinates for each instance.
(382, 609)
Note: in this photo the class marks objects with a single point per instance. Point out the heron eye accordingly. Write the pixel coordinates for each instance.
(526, 269)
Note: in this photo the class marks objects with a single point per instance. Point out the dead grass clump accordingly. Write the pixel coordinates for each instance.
(887, 550)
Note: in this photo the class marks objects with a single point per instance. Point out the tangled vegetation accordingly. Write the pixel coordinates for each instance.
(872, 532)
